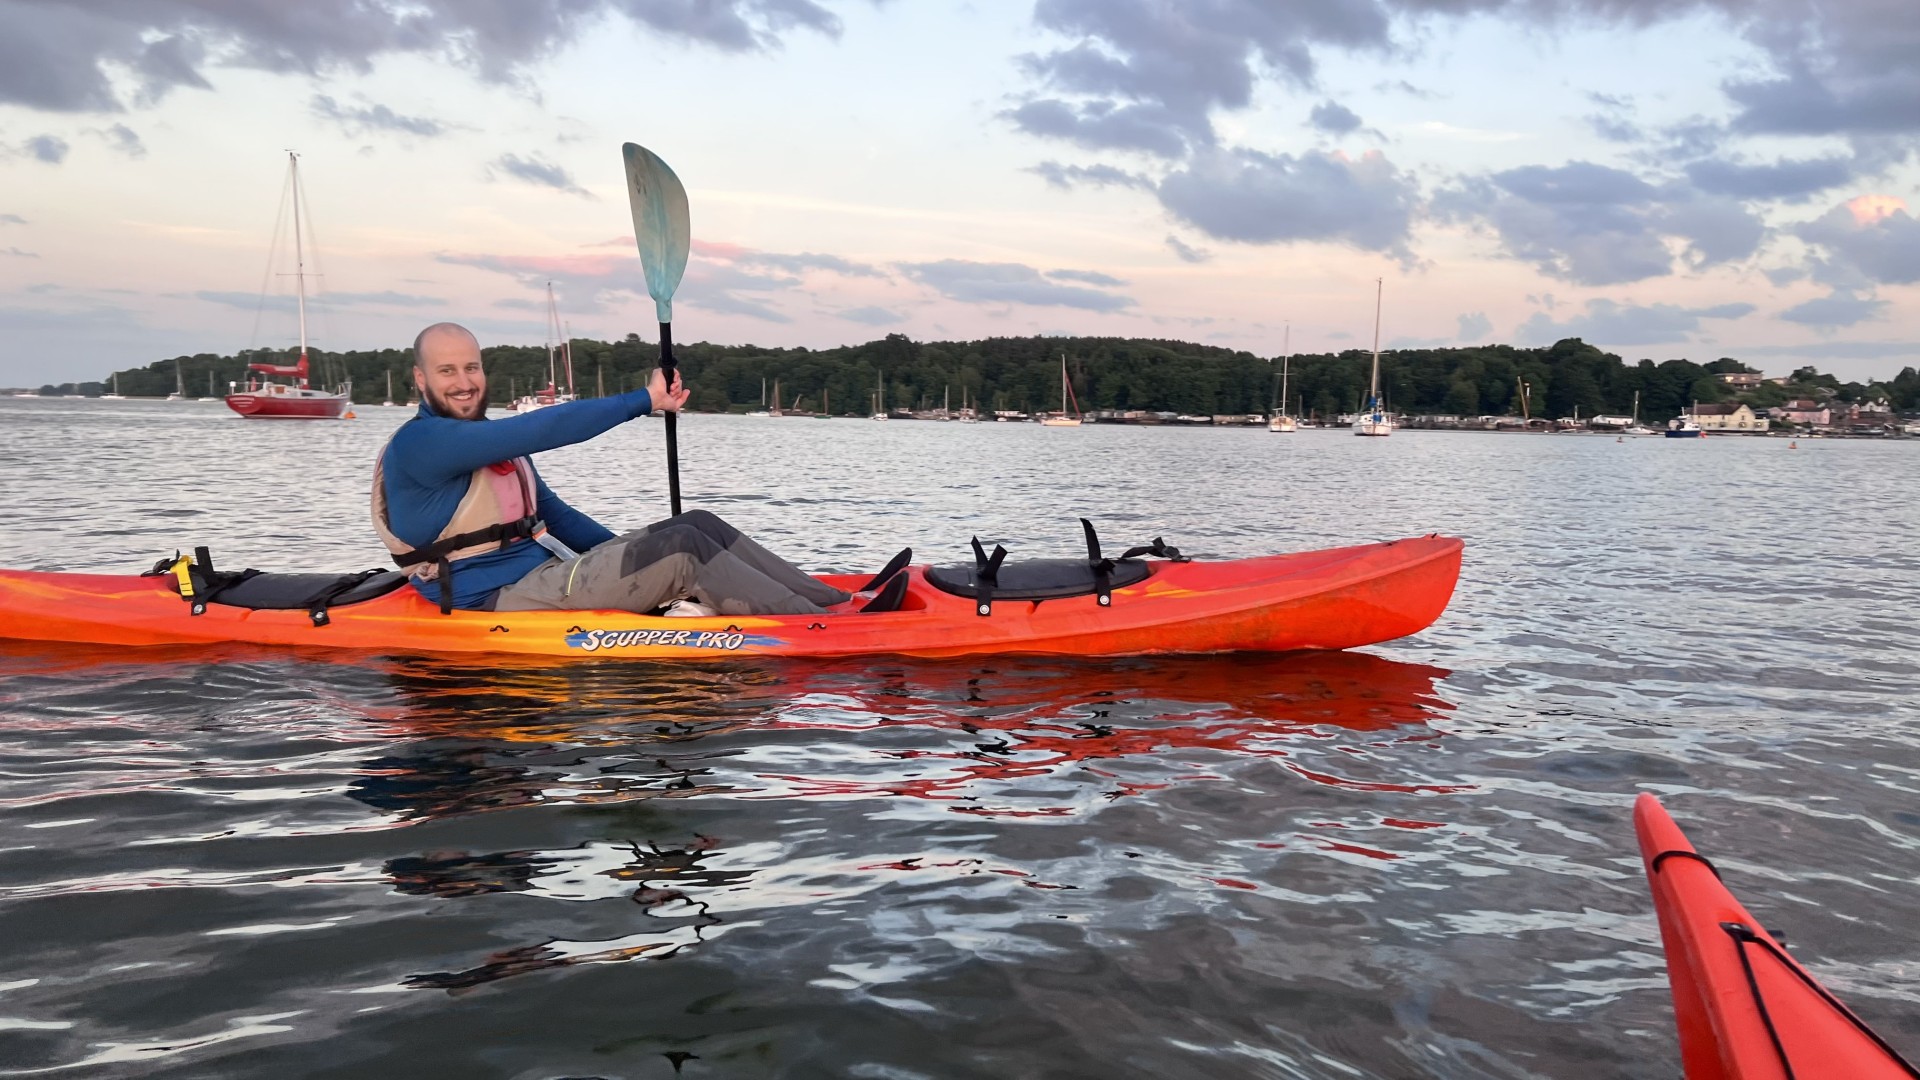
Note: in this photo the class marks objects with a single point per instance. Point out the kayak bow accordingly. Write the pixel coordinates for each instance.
(1746, 1010)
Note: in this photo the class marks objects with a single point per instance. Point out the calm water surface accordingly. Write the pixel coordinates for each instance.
(1412, 860)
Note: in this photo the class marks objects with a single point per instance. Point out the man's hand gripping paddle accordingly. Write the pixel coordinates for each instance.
(663, 234)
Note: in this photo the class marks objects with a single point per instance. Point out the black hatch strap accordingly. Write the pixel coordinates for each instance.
(1159, 549)
(1102, 567)
(986, 575)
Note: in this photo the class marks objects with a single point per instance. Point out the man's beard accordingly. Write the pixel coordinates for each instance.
(445, 408)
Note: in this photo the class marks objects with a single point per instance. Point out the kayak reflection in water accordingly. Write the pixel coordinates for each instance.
(458, 502)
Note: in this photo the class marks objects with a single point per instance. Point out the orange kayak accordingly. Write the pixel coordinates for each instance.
(1746, 1010)
(1337, 598)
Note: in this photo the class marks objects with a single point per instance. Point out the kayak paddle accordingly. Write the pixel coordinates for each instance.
(662, 232)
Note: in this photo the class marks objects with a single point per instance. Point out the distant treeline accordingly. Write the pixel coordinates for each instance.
(1107, 373)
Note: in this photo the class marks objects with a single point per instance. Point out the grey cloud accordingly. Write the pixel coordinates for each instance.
(1086, 277)
(1782, 179)
(1008, 283)
(57, 56)
(12, 219)
(1186, 252)
(1883, 248)
(1840, 308)
(1175, 63)
(807, 260)
(1250, 196)
(1614, 128)
(1803, 103)
(514, 303)
(541, 173)
(51, 149)
(585, 283)
(1102, 126)
(386, 298)
(359, 119)
(247, 301)
(1068, 176)
(1784, 275)
(125, 140)
(19, 254)
(1334, 118)
(872, 316)
(732, 25)
(1717, 230)
(1597, 225)
(1474, 326)
(1608, 324)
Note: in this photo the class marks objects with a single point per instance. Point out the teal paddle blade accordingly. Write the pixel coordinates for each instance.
(660, 225)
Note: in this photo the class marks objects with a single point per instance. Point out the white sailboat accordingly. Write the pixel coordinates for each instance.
(946, 399)
(762, 410)
(116, 395)
(1637, 428)
(968, 416)
(551, 395)
(1374, 420)
(388, 403)
(179, 383)
(1280, 421)
(879, 398)
(1061, 419)
(211, 394)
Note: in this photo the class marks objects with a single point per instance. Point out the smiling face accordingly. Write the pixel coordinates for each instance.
(447, 371)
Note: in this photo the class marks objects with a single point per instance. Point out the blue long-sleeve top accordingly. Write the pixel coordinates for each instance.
(432, 458)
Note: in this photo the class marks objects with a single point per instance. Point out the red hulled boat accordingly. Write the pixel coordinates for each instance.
(296, 400)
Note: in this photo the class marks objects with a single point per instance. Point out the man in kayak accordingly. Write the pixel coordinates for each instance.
(458, 503)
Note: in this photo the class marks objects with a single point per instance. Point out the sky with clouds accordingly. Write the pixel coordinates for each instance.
(1664, 178)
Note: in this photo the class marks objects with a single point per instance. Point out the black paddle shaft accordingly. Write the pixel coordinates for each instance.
(673, 435)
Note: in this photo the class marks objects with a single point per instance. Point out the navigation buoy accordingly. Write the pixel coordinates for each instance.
(348, 415)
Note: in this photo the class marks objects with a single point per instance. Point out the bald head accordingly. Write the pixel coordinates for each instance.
(443, 341)
(447, 369)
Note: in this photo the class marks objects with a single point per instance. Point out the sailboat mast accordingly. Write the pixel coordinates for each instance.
(553, 327)
(1286, 357)
(566, 353)
(1374, 389)
(299, 262)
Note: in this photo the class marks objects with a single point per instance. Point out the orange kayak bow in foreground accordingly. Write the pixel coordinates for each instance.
(1338, 598)
(1746, 1010)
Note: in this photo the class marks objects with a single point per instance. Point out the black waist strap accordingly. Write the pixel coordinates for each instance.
(437, 552)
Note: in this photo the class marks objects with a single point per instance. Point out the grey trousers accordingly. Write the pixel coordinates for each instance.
(695, 555)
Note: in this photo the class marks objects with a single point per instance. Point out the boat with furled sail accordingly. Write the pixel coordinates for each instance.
(556, 351)
(1374, 421)
(296, 399)
(1280, 421)
(1067, 400)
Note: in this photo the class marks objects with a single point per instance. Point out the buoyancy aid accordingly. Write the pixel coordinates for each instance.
(497, 511)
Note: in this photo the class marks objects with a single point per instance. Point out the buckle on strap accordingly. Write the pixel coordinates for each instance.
(1102, 567)
(986, 573)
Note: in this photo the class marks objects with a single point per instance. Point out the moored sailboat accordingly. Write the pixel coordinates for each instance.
(552, 395)
(1374, 420)
(296, 399)
(1061, 419)
(1280, 421)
